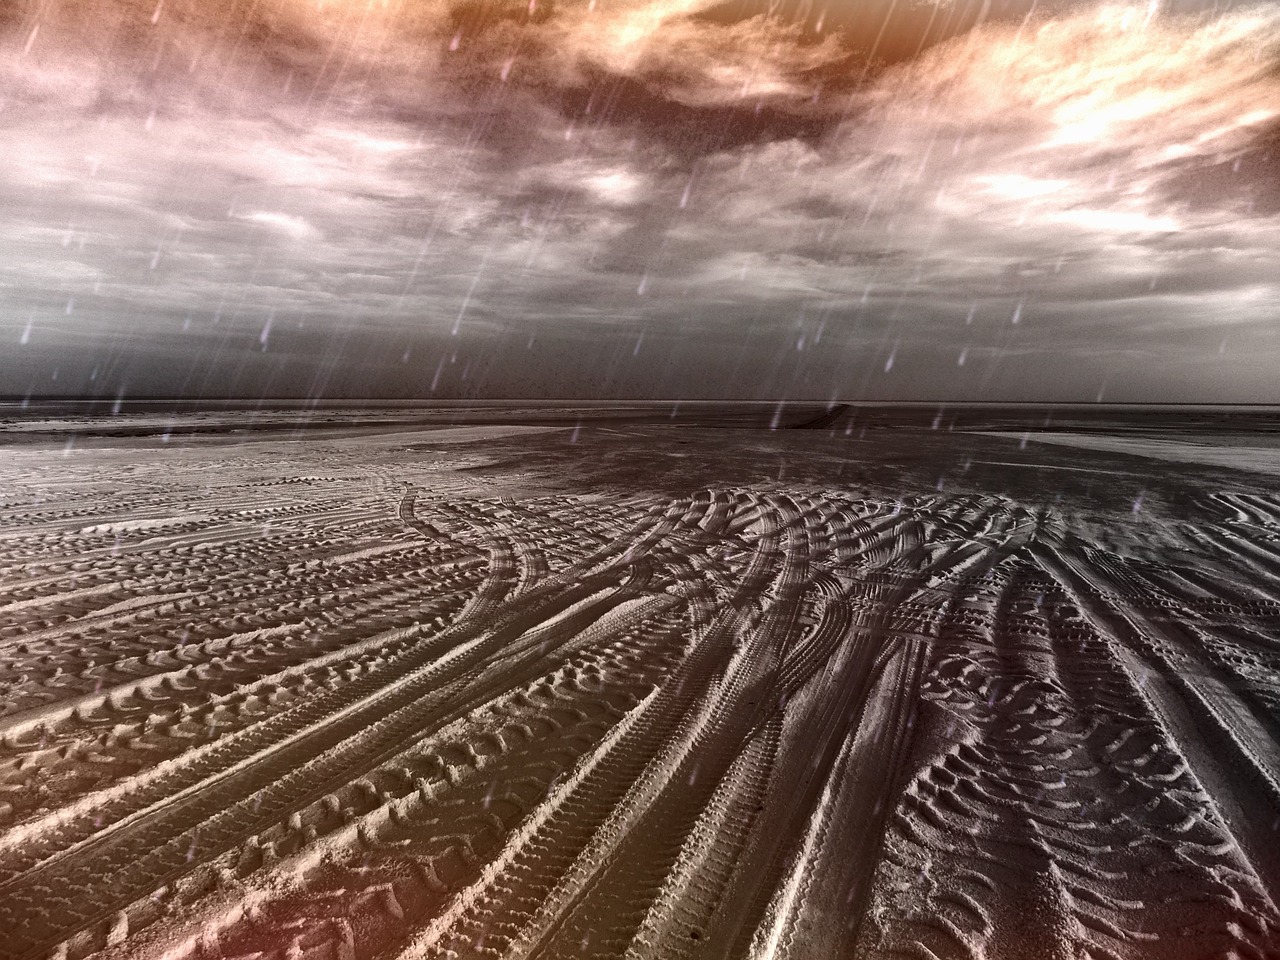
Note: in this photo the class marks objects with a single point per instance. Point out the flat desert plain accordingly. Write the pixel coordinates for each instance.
(626, 688)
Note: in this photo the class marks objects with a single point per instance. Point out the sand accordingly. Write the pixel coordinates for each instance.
(1234, 453)
(653, 692)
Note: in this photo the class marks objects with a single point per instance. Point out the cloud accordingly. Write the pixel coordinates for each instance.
(698, 63)
(295, 227)
(803, 197)
(1014, 145)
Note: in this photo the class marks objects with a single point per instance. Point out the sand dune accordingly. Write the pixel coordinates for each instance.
(344, 702)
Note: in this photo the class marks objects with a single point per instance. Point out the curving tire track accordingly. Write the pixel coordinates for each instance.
(326, 720)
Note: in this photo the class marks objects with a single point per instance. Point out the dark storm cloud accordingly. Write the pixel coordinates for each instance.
(671, 197)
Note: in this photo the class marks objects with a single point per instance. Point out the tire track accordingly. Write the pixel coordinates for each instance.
(750, 721)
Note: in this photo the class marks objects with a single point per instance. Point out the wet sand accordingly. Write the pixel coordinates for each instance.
(810, 683)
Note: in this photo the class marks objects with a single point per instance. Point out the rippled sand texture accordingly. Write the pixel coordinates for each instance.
(350, 715)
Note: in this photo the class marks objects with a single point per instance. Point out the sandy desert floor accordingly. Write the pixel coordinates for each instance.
(637, 691)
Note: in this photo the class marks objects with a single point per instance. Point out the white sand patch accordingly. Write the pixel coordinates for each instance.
(457, 434)
(1219, 454)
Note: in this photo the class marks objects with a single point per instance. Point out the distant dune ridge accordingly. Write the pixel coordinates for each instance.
(495, 693)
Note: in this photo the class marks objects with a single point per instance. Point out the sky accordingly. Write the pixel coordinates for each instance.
(996, 200)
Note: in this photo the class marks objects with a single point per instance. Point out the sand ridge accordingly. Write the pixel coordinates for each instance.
(379, 712)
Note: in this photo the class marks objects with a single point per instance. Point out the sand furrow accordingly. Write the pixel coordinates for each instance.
(359, 710)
